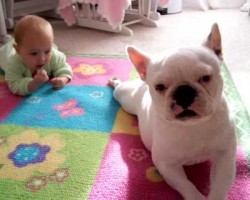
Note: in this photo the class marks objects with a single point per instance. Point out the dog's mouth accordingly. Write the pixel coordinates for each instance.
(186, 114)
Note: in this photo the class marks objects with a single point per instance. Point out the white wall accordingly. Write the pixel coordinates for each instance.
(213, 3)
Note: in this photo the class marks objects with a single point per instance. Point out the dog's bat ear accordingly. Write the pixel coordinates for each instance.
(214, 41)
(139, 59)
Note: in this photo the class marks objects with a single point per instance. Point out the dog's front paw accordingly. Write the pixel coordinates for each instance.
(114, 81)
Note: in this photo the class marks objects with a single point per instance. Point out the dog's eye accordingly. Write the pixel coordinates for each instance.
(160, 87)
(205, 79)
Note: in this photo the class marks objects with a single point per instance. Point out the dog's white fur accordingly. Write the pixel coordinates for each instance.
(174, 136)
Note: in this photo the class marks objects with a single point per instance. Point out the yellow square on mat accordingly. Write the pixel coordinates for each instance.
(125, 123)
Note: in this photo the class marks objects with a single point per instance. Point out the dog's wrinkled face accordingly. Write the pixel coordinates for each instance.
(187, 85)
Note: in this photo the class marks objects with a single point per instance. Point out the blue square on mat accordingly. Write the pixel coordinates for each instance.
(73, 107)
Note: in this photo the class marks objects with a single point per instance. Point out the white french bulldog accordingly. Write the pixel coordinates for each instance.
(183, 116)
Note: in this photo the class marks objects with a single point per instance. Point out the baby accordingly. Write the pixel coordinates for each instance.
(31, 59)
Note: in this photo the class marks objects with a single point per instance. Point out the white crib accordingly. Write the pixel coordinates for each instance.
(140, 11)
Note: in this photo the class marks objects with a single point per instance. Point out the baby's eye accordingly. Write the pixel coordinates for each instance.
(33, 53)
(47, 52)
(160, 87)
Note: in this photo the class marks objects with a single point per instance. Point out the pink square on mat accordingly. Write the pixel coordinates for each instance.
(241, 187)
(98, 71)
(8, 101)
(127, 172)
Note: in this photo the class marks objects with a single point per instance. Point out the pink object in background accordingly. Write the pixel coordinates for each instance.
(164, 3)
(66, 11)
(113, 11)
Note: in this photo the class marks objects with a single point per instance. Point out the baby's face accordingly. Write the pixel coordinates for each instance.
(35, 51)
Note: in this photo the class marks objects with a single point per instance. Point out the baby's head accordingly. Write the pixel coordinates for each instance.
(33, 41)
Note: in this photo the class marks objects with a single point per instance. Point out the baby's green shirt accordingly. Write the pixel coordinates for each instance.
(18, 75)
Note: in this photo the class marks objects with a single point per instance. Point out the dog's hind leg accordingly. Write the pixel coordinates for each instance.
(126, 93)
(114, 81)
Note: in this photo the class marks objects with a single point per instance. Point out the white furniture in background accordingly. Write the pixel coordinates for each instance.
(140, 11)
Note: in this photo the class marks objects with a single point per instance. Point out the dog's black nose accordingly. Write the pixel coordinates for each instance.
(184, 96)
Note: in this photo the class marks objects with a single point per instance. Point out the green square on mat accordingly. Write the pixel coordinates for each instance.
(69, 161)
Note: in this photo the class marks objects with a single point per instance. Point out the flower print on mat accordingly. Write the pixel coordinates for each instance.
(154, 175)
(36, 183)
(59, 175)
(91, 72)
(25, 154)
(69, 108)
(86, 69)
(98, 71)
(137, 154)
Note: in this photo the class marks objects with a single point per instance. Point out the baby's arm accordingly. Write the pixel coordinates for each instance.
(21, 84)
(62, 71)
(39, 79)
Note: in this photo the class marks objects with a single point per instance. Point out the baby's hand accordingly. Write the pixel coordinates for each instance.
(41, 76)
(59, 82)
(39, 79)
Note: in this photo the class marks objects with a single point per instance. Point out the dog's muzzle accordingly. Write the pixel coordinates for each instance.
(184, 96)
